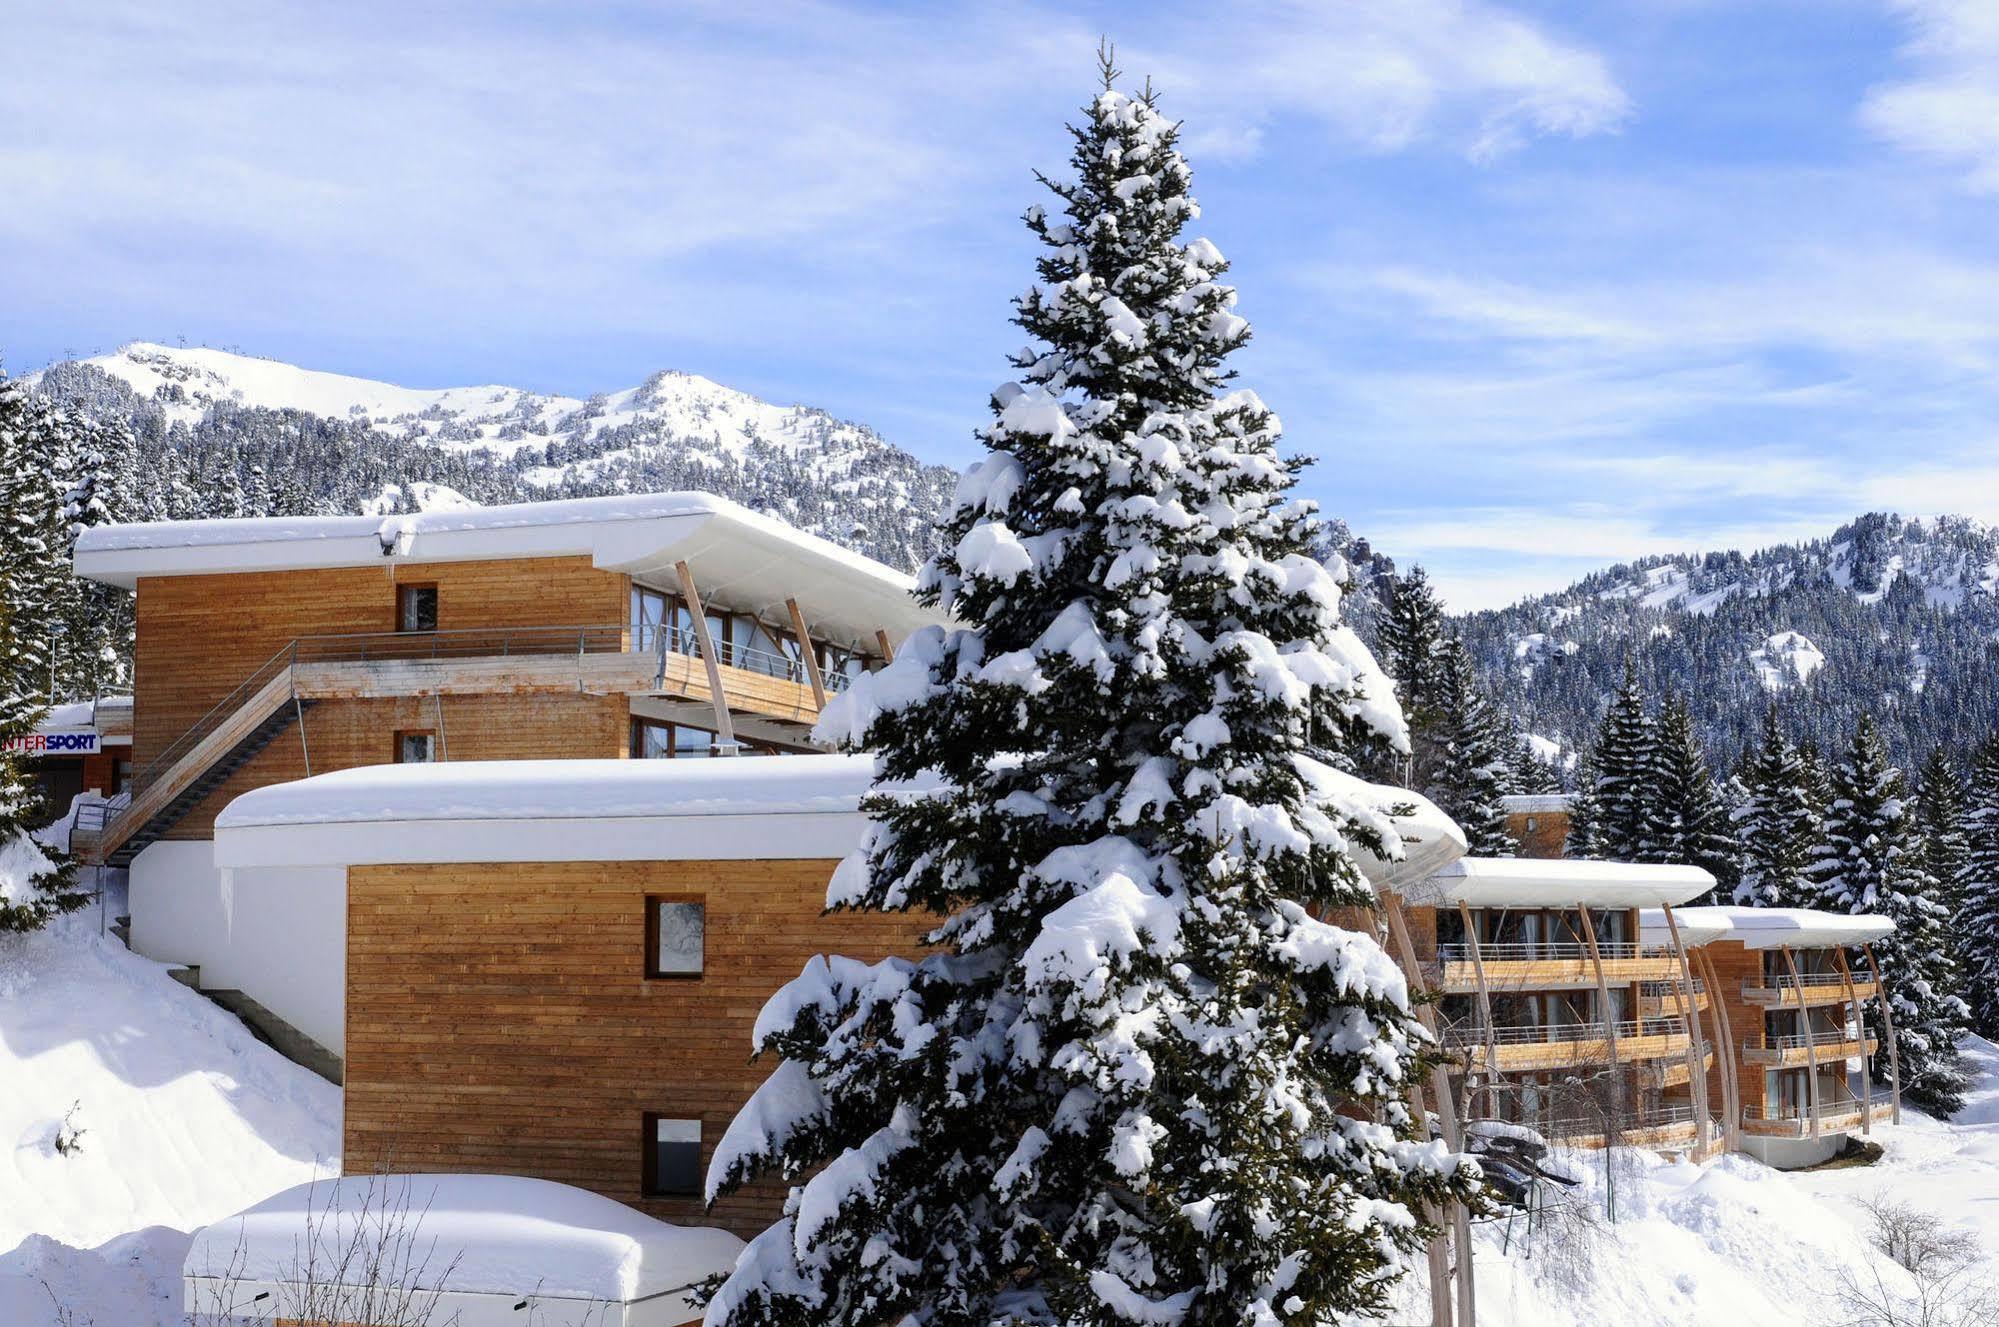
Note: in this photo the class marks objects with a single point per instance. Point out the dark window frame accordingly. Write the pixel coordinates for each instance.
(649, 1181)
(406, 589)
(652, 969)
(396, 750)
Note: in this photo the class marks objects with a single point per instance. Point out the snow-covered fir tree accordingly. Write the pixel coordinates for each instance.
(33, 575)
(1776, 825)
(1625, 814)
(1939, 825)
(1692, 817)
(42, 883)
(1138, 1081)
(1413, 643)
(99, 620)
(1866, 861)
(1474, 762)
(1978, 892)
(1585, 837)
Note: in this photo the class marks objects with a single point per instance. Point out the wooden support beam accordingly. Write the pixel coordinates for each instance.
(1860, 1022)
(1484, 1010)
(888, 646)
(725, 730)
(1804, 1016)
(807, 653)
(1696, 1067)
(1725, 1052)
(1609, 1025)
(1888, 1023)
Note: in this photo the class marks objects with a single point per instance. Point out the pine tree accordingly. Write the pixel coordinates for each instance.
(1473, 768)
(1414, 651)
(1776, 825)
(1068, 1113)
(1693, 819)
(33, 577)
(1585, 837)
(35, 884)
(1939, 823)
(1866, 862)
(1978, 890)
(1628, 819)
(99, 621)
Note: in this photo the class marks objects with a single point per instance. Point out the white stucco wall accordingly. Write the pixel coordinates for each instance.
(278, 934)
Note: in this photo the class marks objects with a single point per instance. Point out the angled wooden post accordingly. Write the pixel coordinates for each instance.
(888, 646)
(1447, 1116)
(807, 653)
(1811, 1048)
(1725, 1053)
(1609, 1024)
(1860, 1023)
(725, 728)
(1696, 1062)
(1888, 1025)
(1484, 1010)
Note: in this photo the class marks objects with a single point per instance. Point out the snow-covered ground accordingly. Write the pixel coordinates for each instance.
(185, 1118)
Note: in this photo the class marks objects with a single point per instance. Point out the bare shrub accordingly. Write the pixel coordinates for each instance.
(1946, 1284)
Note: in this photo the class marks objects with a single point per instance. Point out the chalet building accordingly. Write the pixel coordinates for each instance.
(81, 747)
(269, 650)
(1561, 1016)
(1538, 823)
(1789, 990)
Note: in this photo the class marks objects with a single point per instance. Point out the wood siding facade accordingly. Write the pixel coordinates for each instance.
(499, 1017)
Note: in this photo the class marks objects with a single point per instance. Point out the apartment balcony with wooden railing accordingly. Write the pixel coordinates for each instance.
(1551, 965)
(1806, 990)
(1661, 1125)
(1794, 1120)
(776, 691)
(1567, 1045)
(1661, 999)
(1802, 1050)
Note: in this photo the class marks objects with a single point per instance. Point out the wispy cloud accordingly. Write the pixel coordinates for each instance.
(1948, 109)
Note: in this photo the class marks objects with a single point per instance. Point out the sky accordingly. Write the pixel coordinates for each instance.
(1541, 286)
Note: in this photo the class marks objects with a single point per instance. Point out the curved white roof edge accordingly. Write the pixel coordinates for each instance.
(1540, 882)
(808, 806)
(1773, 928)
(501, 1234)
(741, 558)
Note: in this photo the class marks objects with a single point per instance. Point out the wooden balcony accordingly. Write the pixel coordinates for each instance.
(1814, 990)
(1661, 999)
(1551, 965)
(1568, 1045)
(1799, 1052)
(1842, 1116)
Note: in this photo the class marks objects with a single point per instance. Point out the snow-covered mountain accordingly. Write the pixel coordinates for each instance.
(353, 443)
(1892, 615)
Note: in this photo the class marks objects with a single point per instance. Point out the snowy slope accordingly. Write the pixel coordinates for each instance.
(185, 1118)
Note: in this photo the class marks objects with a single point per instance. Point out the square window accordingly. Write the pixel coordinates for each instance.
(416, 608)
(676, 937)
(672, 1157)
(416, 748)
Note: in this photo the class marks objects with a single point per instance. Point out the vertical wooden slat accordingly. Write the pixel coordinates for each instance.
(1859, 1022)
(1811, 1048)
(807, 653)
(725, 729)
(1888, 1024)
(1696, 1066)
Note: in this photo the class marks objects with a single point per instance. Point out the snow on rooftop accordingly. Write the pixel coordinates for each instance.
(560, 790)
(1419, 837)
(1534, 882)
(1534, 804)
(741, 559)
(497, 1234)
(1772, 928)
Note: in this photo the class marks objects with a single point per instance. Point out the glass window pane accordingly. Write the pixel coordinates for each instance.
(416, 608)
(682, 935)
(416, 749)
(676, 1164)
(692, 741)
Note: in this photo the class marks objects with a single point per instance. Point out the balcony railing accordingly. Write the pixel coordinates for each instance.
(1549, 951)
(1808, 981)
(1800, 1040)
(1662, 990)
(665, 638)
(1470, 1036)
(1568, 1127)
(1827, 1110)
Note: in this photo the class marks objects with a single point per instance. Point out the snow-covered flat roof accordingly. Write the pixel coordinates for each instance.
(806, 806)
(1537, 804)
(1534, 882)
(1773, 928)
(503, 1236)
(741, 559)
(1429, 839)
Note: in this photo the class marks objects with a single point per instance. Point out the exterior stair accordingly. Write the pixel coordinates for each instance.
(155, 826)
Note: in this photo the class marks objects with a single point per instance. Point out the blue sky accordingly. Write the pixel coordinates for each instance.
(1543, 286)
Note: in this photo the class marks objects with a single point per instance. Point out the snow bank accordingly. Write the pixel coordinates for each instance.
(494, 1234)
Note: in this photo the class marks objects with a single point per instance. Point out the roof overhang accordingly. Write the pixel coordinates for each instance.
(1776, 928)
(742, 560)
(1532, 882)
